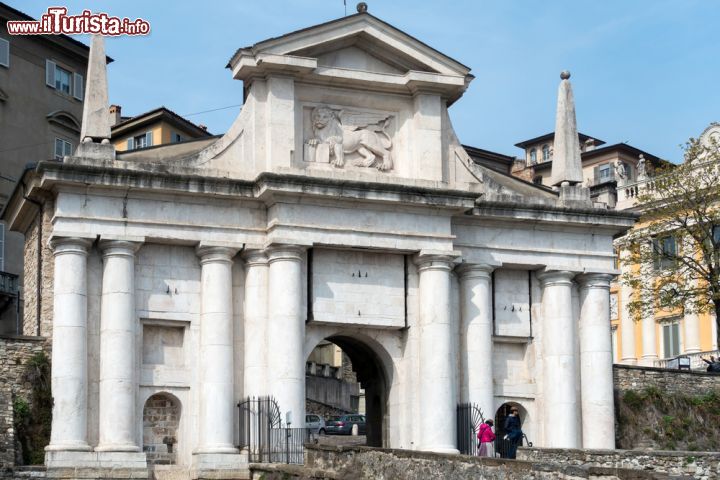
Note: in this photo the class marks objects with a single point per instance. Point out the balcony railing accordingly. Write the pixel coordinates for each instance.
(9, 283)
(695, 360)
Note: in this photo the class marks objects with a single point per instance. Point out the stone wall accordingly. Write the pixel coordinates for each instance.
(356, 463)
(30, 281)
(161, 418)
(628, 377)
(700, 465)
(15, 351)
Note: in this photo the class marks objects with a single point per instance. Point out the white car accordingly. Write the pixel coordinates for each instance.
(315, 423)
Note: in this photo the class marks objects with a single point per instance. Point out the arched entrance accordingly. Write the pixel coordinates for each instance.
(161, 421)
(369, 372)
(501, 445)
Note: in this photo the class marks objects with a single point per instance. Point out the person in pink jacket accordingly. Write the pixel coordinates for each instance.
(485, 437)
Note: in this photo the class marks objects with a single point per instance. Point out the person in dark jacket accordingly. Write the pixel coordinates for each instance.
(513, 431)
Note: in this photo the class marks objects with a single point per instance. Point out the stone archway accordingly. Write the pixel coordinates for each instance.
(161, 422)
(368, 368)
(503, 412)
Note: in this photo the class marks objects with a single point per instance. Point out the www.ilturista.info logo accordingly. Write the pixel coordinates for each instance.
(57, 21)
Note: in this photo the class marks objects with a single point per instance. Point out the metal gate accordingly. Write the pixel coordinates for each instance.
(469, 418)
(263, 436)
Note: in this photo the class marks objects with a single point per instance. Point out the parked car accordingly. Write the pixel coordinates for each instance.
(315, 423)
(343, 425)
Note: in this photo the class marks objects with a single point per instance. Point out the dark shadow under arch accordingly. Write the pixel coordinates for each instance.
(372, 376)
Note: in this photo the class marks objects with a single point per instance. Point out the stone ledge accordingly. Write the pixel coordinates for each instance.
(665, 370)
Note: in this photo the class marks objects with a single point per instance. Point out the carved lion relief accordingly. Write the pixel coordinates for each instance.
(337, 134)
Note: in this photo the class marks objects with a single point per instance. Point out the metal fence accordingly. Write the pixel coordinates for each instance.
(469, 417)
(263, 436)
(504, 448)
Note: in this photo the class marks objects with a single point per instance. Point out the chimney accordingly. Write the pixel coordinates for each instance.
(203, 127)
(115, 114)
(589, 145)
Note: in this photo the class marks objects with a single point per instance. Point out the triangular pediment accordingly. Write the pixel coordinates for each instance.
(362, 42)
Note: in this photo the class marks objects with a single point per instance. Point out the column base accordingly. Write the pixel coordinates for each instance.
(628, 361)
(113, 460)
(69, 447)
(220, 465)
(448, 449)
(117, 448)
(647, 361)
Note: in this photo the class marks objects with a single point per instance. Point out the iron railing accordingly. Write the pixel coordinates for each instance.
(693, 359)
(506, 448)
(263, 436)
(469, 417)
(8, 283)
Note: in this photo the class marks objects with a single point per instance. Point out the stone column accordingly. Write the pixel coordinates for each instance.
(596, 374)
(256, 318)
(561, 411)
(476, 337)
(216, 352)
(117, 348)
(69, 346)
(649, 332)
(438, 391)
(286, 332)
(627, 322)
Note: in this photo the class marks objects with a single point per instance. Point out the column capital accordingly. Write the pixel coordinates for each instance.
(215, 254)
(435, 260)
(556, 277)
(277, 252)
(112, 247)
(255, 257)
(76, 245)
(474, 270)
(595, 280)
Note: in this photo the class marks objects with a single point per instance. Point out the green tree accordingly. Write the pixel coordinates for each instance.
(677, 241)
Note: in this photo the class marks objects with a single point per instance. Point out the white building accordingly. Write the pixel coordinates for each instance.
(340, 205)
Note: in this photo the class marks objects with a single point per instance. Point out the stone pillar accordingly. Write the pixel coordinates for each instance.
(286, 332)
(216, 352)
(596, 374)
(627, 321)
(69, 346)
(561, 411)
(438, 391)
(117, 348)
(256, 328)
(649, 332)
(476, 337)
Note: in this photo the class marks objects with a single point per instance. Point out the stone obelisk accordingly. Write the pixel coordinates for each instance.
(566, 165)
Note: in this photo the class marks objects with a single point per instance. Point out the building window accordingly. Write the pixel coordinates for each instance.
(604, 172)
(140, 141)
(63, 80)
(671, 339)
(546, 153)
(2, 246)
(537, 180)
(664, 252)
(4, 53)
(62, 148)
(533, 156)
(716, 235)
(176, 137)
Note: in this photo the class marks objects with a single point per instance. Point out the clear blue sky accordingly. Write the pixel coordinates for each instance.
(644, 71)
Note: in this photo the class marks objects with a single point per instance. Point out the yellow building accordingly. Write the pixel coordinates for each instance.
(156, 127)
(660, 335)
(616, 174)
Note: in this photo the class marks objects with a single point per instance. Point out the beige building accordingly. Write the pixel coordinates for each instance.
(159, 126)
(41, 101)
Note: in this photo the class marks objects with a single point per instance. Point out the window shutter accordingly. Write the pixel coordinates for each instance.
(4, 52)
(148, 139)
(68, 149)
(78, 86)
(50, 73)
(130, 143)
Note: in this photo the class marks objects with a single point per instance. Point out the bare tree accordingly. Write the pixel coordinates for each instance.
(673, 254)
